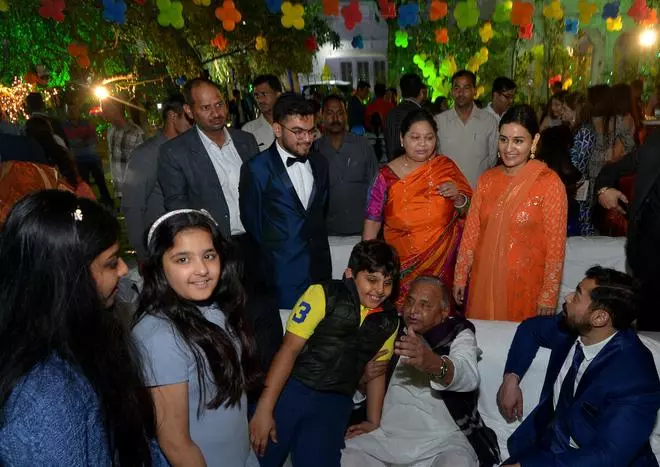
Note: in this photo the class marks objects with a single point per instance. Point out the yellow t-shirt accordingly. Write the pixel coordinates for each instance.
(310, 310)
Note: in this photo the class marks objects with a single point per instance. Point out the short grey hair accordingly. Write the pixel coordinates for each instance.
(435, 281)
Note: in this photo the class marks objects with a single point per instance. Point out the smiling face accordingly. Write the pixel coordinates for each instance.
(295, 134)
(208, 108)
(423, 307)
(373, 287)
(192, 265)
(419, 141)
(515, 146)
(106, 269)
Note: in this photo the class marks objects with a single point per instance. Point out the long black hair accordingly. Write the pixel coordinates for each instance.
(232, 375)
(50, 306)
(40, 130)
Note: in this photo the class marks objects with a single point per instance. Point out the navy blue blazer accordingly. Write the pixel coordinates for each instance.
(615, 405)
(293, 241)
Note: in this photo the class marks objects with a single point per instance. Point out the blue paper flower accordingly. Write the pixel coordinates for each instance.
(274, 6)
(571, 25)
(357, 42)
(180, 81)
(611, 10)
(114, 11)
(408, 15)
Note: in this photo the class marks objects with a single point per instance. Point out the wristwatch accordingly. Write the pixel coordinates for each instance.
(440, 375)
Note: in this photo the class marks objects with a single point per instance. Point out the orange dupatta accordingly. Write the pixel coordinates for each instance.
(488, 286)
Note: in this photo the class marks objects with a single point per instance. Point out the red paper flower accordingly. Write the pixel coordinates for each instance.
(140, 2)
(526, 31)
(522, 13)
(80, 53)
(553, 80)
(639, 10)
(220, 42)
(311, 44)
(228, 14)
(331, 7)
(651, 19)
(441, 36)
(387, 9)
(52, 9)
(33, 78)
(352, 14)
(438, 10)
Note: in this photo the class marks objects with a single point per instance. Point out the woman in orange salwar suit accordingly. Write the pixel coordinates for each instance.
(419, 199)
(512, 251)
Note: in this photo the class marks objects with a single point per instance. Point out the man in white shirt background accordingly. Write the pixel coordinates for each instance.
(502, 95)
(267, 89)
(467, 134)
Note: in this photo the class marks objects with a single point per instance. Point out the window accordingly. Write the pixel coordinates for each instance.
(347, 72)
(363, 71)
(380, 71)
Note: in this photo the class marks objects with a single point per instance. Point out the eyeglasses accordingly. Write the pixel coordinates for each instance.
(257, 95)
(300, 133)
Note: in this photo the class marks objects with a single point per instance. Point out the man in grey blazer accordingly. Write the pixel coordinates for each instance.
(200, 169)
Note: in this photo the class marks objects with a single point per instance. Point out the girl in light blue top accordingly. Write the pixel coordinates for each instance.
(199, 359)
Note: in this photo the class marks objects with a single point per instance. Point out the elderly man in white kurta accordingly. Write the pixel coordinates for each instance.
(435, 375)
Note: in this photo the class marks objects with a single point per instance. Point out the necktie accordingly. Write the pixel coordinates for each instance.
(568, 386)
(292, 160)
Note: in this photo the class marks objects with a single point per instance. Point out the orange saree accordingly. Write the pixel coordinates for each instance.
(513, 244)
(423, 226)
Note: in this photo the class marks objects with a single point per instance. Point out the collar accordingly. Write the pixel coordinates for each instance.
(207, 140)
(410, 99)
(591, 351)
(262, 117)
(476, 112)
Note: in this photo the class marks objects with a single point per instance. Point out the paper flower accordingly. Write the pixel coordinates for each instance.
(80, 53)
(587, 10)
(408, 15)
(526, 32)
(502, 12)
(261, 44)
(428, 70)
(615, 24)
(571, 25)
(466, 14)
(401, 39)
(480, 92)
(114, 11)
(357, 42)
(32, 78)
(521, 13)
(170, 13)
(331, 7)
(53, 9)
(387, 9)
(419, 60)
(326, 73)
(202, 2)
(4, 6)
(292, 15)
(651, 19)
(274, 6)
(611, 10)
(181, 80)
(228, 14)
(553, 10)
(477, 60)
(639, 10)
(441, 36)
(438, 10)
(553, 80)
(448, 67)
(311, 44)
(567, 84)
(486, 33)
(220, 42)
(140, 2)
(352, 14)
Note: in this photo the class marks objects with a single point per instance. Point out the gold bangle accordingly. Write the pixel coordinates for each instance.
(602, 190)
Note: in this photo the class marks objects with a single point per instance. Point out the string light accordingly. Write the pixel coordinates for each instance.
(12, 99)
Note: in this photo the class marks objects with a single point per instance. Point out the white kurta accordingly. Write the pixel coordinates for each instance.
(416, 428)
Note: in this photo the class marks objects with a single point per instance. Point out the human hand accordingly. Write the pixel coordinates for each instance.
(459, 294)
(416, 351)
(360, 429)
(513, 465)
(510, 398)
(261, 427)
(610, 198)
(374, 368)
(448, 190)
(545, 310)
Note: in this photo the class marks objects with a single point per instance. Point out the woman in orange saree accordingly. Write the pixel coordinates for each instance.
(512, 249)
(418, 200)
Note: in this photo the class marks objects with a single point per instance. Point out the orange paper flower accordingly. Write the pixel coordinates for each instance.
(522, 13)
(331, 7)
(438, 10)
(651, 19)
(80, 53)
(220, 42)
(441, 36)
(228, 14)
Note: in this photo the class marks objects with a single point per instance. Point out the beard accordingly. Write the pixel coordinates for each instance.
(298, 150)
(573, 326)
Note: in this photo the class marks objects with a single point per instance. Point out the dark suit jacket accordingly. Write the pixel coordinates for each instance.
(21, 148)
(615, 405)
(393, 127)
(644, 163)
(188, 179)
(293, 241)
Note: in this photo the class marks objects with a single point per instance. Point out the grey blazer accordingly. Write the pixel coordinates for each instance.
(188, 179)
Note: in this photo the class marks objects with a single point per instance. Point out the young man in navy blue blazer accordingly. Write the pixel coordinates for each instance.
(601, 393)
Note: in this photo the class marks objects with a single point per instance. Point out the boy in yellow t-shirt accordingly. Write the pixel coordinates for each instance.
(334, 329)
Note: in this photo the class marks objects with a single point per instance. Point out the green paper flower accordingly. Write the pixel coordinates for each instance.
(170, 13)
(466, 14)
(502, 12)
(401, 39)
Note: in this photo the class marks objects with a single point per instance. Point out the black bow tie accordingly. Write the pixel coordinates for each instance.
(292, 160)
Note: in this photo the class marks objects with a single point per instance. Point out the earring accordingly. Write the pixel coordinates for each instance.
(532, 155)
(498, 155)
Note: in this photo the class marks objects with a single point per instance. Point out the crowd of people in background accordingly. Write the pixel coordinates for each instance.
(462, 211)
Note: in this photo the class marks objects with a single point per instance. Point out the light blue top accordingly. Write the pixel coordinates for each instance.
(222, 433)
(53, 418)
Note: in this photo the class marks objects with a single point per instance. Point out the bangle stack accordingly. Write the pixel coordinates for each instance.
(464, 203)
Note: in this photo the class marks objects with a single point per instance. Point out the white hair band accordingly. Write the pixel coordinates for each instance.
(167, 215)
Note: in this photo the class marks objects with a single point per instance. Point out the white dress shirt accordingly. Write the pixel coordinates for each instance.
(490, 110)
(262, 132)
(301, 176)
(227, 164)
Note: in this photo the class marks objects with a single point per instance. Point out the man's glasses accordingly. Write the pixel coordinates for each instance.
(300, 133)
(257, 95)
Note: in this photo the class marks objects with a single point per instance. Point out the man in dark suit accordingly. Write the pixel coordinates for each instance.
(284, 193)
(601, 392)
(200, 168)
(413, 95)
(643, 246)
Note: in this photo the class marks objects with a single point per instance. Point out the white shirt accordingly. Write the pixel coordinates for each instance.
(590, 352)
(301, 176)
(490, 109)
(262, 132)
(227, 164)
